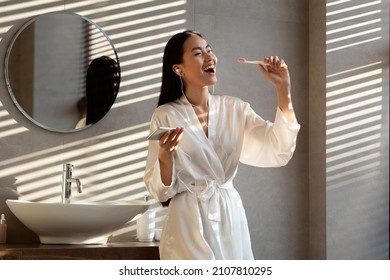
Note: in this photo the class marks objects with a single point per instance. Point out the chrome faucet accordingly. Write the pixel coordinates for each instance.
(67, 181)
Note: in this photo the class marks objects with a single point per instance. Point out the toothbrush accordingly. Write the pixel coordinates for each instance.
(243, 60)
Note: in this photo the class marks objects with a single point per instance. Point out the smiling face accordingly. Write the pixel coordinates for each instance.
(199, 63)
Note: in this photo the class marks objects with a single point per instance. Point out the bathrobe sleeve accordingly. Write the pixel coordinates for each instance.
(152, 176)
(267, 144)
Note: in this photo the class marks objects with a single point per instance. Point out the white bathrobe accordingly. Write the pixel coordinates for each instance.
(206, 218)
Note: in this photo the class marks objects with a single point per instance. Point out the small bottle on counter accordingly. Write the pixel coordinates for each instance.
(3, 229)
(146, 224)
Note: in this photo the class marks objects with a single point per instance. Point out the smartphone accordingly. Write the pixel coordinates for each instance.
(159, 132)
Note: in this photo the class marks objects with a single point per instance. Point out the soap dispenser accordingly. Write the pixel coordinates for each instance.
(3, 229)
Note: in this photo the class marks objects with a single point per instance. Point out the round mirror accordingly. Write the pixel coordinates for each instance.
(62, 72)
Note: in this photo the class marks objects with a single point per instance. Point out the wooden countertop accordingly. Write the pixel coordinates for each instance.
(133, 250)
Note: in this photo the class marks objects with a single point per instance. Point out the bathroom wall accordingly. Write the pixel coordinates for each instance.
(349, 129)
(287, 207)
(357, 129)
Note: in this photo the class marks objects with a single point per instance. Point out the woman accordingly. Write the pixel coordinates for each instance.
(192, 168)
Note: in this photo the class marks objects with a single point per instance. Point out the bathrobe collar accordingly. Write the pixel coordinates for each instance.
(193, 120)
(215, 154)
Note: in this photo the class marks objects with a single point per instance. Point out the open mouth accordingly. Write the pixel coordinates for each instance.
(210, 69)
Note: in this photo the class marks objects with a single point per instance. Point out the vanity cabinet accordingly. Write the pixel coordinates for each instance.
(110, 251)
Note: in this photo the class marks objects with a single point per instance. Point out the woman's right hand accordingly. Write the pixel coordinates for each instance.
(169, 142)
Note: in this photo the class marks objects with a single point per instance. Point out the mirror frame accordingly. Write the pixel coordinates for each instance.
(6, 70)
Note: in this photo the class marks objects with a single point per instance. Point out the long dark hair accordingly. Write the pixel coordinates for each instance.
(173, 54)
(103, 78)
(171, 84)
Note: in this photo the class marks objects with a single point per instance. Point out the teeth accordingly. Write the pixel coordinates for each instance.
(209, 67)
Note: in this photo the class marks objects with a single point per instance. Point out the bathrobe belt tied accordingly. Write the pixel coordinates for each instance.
(211, 192)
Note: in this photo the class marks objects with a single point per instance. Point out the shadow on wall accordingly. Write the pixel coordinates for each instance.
(110, 164)
(357, 129)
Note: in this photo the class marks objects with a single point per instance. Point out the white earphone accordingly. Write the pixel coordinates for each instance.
(178, 71)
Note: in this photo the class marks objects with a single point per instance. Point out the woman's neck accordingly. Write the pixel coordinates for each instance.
(198, 97)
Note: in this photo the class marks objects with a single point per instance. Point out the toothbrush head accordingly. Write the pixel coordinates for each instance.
(244, 60)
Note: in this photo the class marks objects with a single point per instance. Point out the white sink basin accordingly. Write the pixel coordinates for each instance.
(77, 223)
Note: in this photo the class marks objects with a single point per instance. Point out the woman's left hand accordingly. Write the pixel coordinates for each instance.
(276, 71)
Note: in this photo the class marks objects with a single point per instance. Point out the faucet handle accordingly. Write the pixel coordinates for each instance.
(67, 166)
(79, 185)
